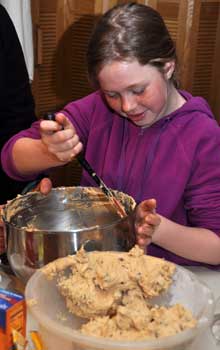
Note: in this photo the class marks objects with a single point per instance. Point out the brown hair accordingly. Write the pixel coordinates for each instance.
(127, 32)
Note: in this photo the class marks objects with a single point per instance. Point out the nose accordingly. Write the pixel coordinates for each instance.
(128, 103)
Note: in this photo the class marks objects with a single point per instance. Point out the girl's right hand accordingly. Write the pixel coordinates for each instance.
(60, 138)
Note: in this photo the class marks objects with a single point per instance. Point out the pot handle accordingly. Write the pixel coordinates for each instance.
(4, 264)
(31, 186)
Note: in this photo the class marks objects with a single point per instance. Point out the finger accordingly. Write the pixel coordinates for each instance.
(64, 121)
(148, 205)
(145, 234)
(145, 230)
(65, 153)
(143, 241)
(152, 219)
(149, 220)
(65, 157)
(77, 149)
(45, 186)
(145, 207)
(49, 126)
(63, 135)
(68, 139)
(62, 141)
(69, 154)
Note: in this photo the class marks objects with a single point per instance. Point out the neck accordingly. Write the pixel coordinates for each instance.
(175, 100)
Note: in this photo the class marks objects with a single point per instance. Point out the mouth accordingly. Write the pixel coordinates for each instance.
(136, 117)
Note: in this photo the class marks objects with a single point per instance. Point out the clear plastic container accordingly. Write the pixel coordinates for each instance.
(5, 281)
(59, 329)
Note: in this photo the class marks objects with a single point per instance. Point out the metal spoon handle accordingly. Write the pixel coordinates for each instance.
(82, 160)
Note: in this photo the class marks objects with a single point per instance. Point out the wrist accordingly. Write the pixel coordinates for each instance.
(157, 232)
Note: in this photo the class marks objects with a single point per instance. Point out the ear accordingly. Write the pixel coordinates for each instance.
(169, 68)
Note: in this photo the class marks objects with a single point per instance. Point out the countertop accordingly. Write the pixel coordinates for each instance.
(212, 278)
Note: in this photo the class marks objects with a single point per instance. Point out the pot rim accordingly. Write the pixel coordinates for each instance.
(54, 231)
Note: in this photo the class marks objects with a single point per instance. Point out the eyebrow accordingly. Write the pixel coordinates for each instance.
(137, 84)
(129, 87)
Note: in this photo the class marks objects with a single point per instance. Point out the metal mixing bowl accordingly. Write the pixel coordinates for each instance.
(40, 228)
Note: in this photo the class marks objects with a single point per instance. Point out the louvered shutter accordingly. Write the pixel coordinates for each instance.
(206, 79)
(62, 29)
(195, 27)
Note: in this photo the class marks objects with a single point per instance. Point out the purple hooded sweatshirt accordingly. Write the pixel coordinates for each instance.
(176, 160)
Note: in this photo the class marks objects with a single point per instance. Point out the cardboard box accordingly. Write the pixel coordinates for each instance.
(12, 316)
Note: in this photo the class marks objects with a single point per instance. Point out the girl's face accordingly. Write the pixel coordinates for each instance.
(140, 93)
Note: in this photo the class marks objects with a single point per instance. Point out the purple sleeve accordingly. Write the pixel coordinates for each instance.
(83, 115)
(86, 114)
(6, 153)
(202, 195)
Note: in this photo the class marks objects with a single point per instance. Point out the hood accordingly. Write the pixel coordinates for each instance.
(193, 104)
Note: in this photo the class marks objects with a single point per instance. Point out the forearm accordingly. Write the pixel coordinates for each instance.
(31, 156)
(192, 243)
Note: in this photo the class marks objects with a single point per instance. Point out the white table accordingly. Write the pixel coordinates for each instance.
(212, 279)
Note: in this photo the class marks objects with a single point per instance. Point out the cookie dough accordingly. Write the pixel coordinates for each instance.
(113, 291)
(141, 323)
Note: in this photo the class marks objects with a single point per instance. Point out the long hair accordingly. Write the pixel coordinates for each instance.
(129, 32)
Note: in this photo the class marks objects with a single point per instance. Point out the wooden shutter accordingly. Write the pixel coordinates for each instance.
(195, 27)
(45, 23)
(61, 32)
(62, 29)
(206, 80)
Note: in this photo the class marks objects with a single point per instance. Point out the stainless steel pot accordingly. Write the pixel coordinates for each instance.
(42, 228)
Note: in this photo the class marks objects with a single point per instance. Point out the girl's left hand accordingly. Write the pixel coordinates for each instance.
(146, 222)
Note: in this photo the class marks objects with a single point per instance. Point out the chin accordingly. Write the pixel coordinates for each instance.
(144, 124)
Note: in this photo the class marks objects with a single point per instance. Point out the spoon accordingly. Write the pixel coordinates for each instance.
(85, 164)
